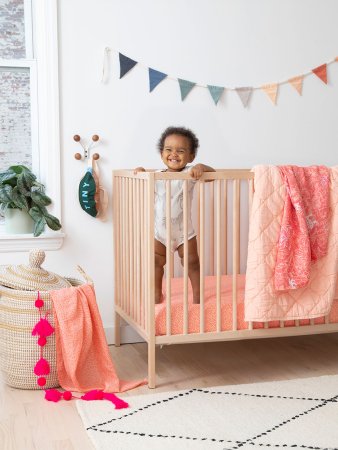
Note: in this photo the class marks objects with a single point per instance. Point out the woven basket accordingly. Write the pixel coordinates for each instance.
(19, 350)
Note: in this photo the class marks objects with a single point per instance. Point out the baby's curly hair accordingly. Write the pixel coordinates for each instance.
(181, 131)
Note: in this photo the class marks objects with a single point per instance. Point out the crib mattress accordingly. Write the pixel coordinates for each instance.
(210, 308)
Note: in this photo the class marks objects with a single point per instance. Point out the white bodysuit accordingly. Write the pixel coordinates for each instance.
(177, 237)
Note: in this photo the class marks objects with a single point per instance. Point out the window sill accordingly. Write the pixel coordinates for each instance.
(25, 242)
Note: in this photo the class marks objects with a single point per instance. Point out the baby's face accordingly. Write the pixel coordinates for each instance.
(176, 152)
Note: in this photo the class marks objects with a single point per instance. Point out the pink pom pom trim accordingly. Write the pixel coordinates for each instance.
(52, 395)
(42, 341)
(41, 381)
(67, 395)
(42, 367)
(43, 329)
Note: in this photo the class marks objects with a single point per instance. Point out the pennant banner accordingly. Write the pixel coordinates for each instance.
(297, 83)
(155, 78)
(244, 93)
(126, 64)
(216, 92)
(321, 73)
(185, 87)
(271, 90)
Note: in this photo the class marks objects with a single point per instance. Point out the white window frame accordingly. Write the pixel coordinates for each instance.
(42, 61)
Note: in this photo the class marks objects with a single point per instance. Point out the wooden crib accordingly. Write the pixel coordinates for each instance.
(221, 212)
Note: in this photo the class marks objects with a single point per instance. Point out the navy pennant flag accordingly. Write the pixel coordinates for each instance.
(185, 87)
(216, 92)
(126, 64)
(155, 78)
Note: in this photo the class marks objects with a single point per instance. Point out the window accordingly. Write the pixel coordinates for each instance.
(29, 92)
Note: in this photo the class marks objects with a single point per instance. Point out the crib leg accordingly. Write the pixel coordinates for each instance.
(151, 365)
(117, 330)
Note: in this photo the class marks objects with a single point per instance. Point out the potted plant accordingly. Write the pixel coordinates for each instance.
(19, 190)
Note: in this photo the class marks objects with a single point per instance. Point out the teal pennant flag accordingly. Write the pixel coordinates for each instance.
(185, 87)
(216, 92)
(155, 78)
(126, 64)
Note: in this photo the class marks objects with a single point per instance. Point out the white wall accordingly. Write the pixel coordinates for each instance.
(220, 42)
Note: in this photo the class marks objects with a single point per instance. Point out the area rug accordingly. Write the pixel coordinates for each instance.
(294, 414)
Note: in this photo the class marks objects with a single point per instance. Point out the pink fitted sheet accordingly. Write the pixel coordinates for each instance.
(210, 308)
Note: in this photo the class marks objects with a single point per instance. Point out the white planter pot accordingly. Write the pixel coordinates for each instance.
(18, 222)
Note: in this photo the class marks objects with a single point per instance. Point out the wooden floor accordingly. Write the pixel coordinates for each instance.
(27, 421)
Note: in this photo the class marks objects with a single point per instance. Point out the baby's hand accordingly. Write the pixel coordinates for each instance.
(139, 169)
(196, 171)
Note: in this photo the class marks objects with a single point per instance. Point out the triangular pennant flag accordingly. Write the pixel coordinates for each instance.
(321, 73)
(185, 87)
(126, 64)
(216, 92)
(271, 90)
(155, 78)
(297, 83)
(244, 94)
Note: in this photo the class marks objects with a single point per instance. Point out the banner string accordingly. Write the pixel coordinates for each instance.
(108, 50)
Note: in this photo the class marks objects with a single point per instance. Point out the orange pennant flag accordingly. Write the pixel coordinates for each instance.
(271, 90)
(321, 73)
(297, 83)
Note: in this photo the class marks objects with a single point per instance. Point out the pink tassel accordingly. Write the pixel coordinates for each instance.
(52, 395)
(118, 402)
(42, 367)
(93, 395)
(43, 328)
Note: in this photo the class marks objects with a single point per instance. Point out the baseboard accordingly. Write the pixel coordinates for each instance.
(128, 335)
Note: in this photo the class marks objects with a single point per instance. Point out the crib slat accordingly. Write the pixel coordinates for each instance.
(235, 252)
(225, 227)
(168, 257)
(138, 253)
(124, 253)
(151, 280)
(212, 228)
(251, 193)
(131, 248)
(143, 256)
(186, 257)
(201, 250)
(218, 255)
(116, 240)
(146, 255)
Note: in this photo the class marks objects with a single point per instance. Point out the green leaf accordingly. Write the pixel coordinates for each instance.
(52, 222)
(25, 182)
(39, 198)
(19, 169)
(35, 213)
(19, 199)
(39, 226)
(6, 193)
(7, 176)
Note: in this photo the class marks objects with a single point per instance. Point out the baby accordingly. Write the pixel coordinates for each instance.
(178, 147)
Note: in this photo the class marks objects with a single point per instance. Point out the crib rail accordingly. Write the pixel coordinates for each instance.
(134, 242)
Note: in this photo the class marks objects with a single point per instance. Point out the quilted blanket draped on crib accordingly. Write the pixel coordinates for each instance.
(262, 301)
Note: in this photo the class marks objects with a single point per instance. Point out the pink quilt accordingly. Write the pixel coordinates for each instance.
(262, 301)
(305, 224)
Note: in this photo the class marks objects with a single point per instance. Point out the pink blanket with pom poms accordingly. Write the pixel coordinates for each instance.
(83, 359)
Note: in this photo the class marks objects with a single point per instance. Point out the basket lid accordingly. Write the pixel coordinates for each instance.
(32, 277)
